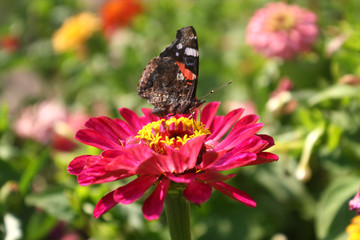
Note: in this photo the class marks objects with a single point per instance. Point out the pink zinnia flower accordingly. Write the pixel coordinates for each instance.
(282, 30)
(354, 204)
(37, 121)
(171, 152)
(49, 122)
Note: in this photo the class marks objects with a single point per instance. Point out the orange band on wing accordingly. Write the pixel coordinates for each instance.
(189, 75)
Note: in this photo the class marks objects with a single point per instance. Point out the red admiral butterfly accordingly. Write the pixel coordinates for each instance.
(169, 81)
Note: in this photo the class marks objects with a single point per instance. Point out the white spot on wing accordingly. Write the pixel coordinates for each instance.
(179, 46)
(191, 52)
(180, 77)
(177, 54)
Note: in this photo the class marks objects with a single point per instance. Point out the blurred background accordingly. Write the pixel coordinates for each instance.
(62, 62)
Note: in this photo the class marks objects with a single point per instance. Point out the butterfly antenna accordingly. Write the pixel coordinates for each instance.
(212, 91)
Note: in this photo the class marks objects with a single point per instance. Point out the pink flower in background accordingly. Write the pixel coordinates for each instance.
(49, 122)
(172, 152)
(354, 204)
(281, 100)
(282, 30)
(37, 121)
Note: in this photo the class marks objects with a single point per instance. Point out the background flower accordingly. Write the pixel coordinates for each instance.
(118, 13)
(74, 32)
(354, 229)
(49, 122)
(354, 204)
(282, 102)
(282, 30)
(9, 43)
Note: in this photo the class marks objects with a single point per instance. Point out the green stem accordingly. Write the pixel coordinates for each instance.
(178, 215)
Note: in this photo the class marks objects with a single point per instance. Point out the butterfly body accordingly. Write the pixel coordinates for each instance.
(169, 81)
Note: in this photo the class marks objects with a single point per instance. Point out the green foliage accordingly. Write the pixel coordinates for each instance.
(47, 203)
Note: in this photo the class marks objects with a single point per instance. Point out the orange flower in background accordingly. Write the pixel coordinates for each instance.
(75, 31)
(118, 13)
(9, 43)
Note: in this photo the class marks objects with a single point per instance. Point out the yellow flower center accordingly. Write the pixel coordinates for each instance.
(281, 21)
(173, 132)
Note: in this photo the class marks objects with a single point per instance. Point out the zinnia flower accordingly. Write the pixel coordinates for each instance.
(282, 30)
(75, 31)
(171, 152)
(118, 13)
(49, 122)
(354, 204)
(354, 229)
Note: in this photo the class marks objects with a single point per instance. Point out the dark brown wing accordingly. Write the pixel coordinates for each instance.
(169, 81)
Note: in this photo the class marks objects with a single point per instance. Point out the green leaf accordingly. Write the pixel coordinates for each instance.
(333, 213)
(4, 114)
(47, 223)
(32, 169)
(54, 202)
(335, 92)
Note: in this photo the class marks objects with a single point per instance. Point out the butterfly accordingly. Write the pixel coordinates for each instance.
(169, 81)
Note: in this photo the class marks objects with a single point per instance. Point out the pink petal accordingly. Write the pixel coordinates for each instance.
(174, 162)
(234, 193)
(267, 138)
(266, 157)
(223, 126)
(134, 190)
(95, 172)
(238, 160)
(108, 128)
(191, 150)
(246, 120)
(183, 178)
(197, 192)
(95, 139)
(135, 123)
(104, 205)
(77, 165)
(128, 158)
(213, 176)
(85, 180)
(151, 166)
(125, 127)
(208, 113)
(209, 158)
(148, 114)
(154, 204)
(238, 135)
(122, 161)
(95, 165)
(252, 144)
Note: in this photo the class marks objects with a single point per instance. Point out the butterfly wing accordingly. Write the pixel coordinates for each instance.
(169, 81)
